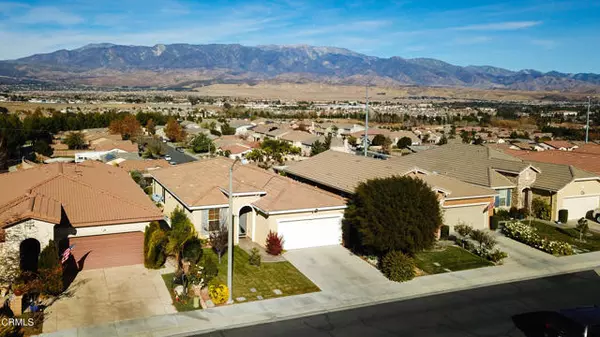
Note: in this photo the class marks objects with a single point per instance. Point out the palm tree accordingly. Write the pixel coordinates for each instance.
(182, 230)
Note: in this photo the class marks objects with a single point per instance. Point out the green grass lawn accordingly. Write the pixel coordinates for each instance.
(266, 278)
(453, 258)
(187, 304)
(568, 235)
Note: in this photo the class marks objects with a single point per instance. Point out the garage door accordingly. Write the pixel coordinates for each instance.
(475, 216)
(111, 250)
(304, 233)
(579, 206)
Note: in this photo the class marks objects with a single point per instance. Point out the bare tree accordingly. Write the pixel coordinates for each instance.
(583, 227)
(219, 238)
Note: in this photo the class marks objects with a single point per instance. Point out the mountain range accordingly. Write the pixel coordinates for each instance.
(189, 66)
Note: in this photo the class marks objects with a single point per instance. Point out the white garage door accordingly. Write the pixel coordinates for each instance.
(475, 216)
(304, 233)
(579, 206)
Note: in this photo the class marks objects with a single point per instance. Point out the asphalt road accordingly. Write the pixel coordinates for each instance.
(177, 156)
(480, 312)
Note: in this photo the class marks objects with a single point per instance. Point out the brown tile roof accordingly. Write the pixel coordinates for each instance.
(91, 194)
(587, 161)
(105, 144)
(300, 136)
(557, 144)
(343, 171)
(205, 183)
(143, 165)
(235, 148)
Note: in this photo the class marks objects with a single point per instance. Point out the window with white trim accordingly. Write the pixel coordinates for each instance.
(503, 199)
(214, 219)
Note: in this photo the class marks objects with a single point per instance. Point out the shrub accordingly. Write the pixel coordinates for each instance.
(445, 232)
(397, 266)
(502, 214)
(563, 215)
(148, 190)
(218, 293)
(494, 221)
(485, 240)
(529, 236)
(540, 209)
(210, 268)
(192, 250)
(274, 243)
(496, 256)
(155, 240)
(254, 258)
(463, 229)
(52, 281)
(49, 258)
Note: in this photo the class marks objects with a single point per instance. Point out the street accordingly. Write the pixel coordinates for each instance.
(482, 312)
(176, 156)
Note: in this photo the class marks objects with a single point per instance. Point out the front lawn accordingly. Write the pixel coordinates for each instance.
(568, 235)
(185, 305)
(451, 258)
(264, 279)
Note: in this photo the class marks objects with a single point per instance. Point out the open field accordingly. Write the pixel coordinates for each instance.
(325, 92)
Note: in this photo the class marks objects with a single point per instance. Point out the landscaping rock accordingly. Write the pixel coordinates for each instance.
(210, 304)
(240, 299)
(277, 292)
(253, 290)
(436, 264)
(178, 290)
(259, 297)
(448, 270)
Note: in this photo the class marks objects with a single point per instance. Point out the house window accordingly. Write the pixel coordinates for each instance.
(214, 219)
(503, 199)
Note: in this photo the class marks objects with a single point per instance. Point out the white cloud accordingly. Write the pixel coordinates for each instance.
(508, 25)
(39, 15)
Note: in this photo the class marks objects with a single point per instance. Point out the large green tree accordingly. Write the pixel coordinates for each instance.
(75, 141)
(404, 142)
(392, 214)
(272, 151)
(202, 144)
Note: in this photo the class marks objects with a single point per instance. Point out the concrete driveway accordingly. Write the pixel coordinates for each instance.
(107, 295)
(334, 268)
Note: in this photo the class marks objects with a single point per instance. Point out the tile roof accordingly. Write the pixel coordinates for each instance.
(300, 136)
(143, 165)
(205, 182)
(587, 161)
(90, 193)
(557, 144)
(343, 171)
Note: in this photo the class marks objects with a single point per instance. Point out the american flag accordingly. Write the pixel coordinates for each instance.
(66, 254)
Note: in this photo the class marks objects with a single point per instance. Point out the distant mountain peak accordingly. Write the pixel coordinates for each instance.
(188, 65)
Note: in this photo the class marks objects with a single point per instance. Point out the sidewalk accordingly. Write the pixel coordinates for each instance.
(524, 263)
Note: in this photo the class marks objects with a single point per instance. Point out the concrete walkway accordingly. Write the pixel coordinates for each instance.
(525, 263)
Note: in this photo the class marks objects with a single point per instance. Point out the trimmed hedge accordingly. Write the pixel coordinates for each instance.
(155, 240)
(398, 267)
(563, 215)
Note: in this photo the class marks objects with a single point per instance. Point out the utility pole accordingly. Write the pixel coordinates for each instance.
(230, 238)
(366, 140)
(587, 125)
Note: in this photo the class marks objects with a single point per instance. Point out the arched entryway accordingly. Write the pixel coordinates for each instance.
(245, 217)
(29, 252)
(526, 197)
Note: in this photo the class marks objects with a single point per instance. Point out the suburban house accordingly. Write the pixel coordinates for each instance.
(341, 173)
(517, 181)
(302, 140)
(236, 146)
(96, 207)
(241, 126)
(262, 201)
(587, 161)
(561, 145)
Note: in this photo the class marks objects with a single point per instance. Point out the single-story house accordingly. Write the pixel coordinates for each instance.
(94, 206)
(341, 173)
(263, 201)
(302, 140)
(561, 145)
(241, 126)
(517, 181)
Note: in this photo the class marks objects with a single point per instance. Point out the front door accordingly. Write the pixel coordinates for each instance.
(243, 225)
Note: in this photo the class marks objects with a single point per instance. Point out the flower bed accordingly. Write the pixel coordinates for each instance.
(529, 236)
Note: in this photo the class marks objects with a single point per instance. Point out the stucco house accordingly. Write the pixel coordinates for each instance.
(517, 181)
(340, 173)
(262, 201)
(94, 206)
(302, 140)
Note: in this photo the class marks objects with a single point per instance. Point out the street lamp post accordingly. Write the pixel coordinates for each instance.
(230, 235)
(587, 124)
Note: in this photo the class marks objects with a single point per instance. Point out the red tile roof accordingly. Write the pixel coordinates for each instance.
(90, 193)
(586, 161)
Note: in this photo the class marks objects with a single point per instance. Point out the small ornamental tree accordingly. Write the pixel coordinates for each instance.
(396, 213)
(404, 142)
(174, 131)
(274, 243)
(485, 240)
(219, 240)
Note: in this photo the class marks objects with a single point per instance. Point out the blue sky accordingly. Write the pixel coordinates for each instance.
(526, 34)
